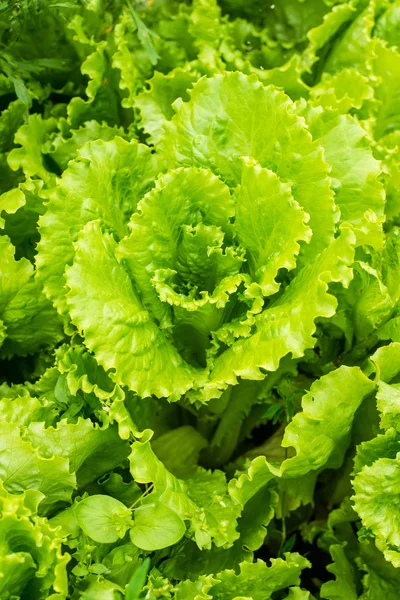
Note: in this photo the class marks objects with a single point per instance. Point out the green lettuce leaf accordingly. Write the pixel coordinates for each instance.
(212, 130)
(155, 103)
(264, 207)
(320, 433)
(143, 358)
(102, 518)
(258, 581)
(344, 585)
(156, 526)
(31, 556)
(288, 325)
(100, 183)
(22, 467)
(86, 446)
(29, 322)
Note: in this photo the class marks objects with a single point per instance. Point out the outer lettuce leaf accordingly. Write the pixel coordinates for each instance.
(387, 68)
(372, 304)
(31, 557)
(22, 207)
(354, 47)
(323, 36)
(360, 567)
(257, 500)
(10, 202)
(385, 364)
(101, 183)
(388, 23)
(358, 192)
(382, 446)
(257, 581)
(370, 307)
(212, 130)
(23, 468)
(381, 578)
(83, 373)
(320, 433)
(31, 137)
(65, 145)
(386, 361)
(91, 451)
(390, 155)
(29, 321)
(24, 409)
(10, 120)
(155, 103)
(247, 484)
(103, 95)
(388, 404)
(191, 267)
(345, 90)
(288, 326)
(344, 585)
(376, 463)
(141, 355)
(314, 448)
(376, 491)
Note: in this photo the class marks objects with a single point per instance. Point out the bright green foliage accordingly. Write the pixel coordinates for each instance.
(31, 553)
(156, 526)
(343, 586)
(320, 432)
(28, 322)
(90, 189)
(199, 300)
(103, 518)
(257, 580)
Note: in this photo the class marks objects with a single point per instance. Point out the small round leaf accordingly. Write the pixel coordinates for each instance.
(103, 518)
(156, 526)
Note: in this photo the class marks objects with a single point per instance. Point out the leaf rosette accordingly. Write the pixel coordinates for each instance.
(210, 259)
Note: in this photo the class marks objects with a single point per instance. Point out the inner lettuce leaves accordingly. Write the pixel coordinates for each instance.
(199, 299)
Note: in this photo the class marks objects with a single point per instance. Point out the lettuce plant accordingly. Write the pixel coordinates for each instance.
(200, 282)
